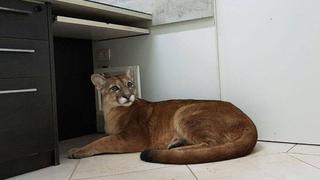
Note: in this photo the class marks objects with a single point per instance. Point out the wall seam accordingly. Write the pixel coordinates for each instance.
(218, 49)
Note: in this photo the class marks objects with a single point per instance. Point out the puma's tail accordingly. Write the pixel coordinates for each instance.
(240, 147)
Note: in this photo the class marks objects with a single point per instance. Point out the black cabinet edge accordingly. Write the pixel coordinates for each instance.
(53, 84)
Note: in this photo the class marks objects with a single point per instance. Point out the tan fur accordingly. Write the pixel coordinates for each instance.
(175, 131)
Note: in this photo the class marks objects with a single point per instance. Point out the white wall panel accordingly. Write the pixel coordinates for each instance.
(270, 64)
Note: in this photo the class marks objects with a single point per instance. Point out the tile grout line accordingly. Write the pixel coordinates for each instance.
(291, 148)
(74, 169)
(304, 154)
(116, 174)
(303, 161)
(192, 172)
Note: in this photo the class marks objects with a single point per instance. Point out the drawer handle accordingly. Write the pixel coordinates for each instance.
(17, 50)
(15, 10)
(18, 91)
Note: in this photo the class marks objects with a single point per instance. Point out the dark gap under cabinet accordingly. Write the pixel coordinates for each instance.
(75, 92)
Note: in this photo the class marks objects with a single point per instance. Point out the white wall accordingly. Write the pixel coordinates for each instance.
(270, 64)
(176, 61)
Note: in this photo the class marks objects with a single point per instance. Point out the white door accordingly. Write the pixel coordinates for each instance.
(270, 65)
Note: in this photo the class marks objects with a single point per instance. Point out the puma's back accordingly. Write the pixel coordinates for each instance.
(197, 131)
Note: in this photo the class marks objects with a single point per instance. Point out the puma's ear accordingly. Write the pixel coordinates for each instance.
(129, 74)
(98, 80)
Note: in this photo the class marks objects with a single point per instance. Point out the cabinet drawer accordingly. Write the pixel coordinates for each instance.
(23, 58)
(21, 19)
(26, 123)
(26, 164)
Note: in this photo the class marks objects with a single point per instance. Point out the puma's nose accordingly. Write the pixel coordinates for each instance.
(126, 96)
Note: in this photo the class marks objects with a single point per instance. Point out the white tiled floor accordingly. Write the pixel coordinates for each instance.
(268, 161)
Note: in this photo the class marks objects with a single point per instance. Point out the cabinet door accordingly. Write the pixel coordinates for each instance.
(23, 58)
(26, 124)
(21, 19)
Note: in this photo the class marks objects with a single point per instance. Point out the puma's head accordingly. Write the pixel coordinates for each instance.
(117, 90)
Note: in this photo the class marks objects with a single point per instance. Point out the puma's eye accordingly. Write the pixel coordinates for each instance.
(115, 88)
(130, 84)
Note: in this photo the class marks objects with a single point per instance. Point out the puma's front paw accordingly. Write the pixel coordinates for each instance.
(77, 153)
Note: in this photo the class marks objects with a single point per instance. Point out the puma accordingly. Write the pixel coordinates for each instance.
(173, 132)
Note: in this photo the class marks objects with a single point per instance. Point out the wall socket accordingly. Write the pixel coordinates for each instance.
(102, 57)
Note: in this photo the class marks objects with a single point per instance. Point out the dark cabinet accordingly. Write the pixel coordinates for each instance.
(27, 112)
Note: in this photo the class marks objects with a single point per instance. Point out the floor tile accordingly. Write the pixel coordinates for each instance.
(271, 147)
(309, 159)
(60, 172)
(112, 164)
(171, 173)
(306, 149)
(263, 167)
